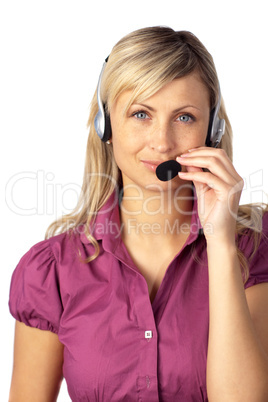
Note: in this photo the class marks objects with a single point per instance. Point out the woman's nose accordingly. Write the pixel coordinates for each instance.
(161, 138)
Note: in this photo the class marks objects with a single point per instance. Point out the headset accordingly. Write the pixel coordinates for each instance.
(216, 127)
(102, 123)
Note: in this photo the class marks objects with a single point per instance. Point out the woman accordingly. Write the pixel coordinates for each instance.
(151, 290)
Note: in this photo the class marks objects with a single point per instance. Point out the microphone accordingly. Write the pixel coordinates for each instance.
(168, 170)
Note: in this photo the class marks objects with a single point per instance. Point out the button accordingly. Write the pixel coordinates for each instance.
(148, 334)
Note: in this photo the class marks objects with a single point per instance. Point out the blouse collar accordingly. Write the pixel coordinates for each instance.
(107, 225)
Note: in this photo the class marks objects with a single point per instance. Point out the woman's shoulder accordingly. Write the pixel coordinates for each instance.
(47, 258)
(58, 247)
(254, 226)
(265, 222)
(254, 245)
(34, 290)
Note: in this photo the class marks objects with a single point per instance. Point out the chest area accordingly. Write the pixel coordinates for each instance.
(153, 260)
(118, 345)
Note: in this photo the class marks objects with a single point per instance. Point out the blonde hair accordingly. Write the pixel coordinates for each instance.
(143, 62)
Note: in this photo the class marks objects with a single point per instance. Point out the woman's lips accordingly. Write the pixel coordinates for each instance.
(151, 165)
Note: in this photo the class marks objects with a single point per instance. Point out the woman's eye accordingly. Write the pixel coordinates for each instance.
(141, 115)
(184, 118)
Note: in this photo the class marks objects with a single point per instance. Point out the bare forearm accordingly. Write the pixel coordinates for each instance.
(237, 368)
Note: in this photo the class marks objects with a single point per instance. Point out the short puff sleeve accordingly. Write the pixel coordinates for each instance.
(258, 264)
(34, 292)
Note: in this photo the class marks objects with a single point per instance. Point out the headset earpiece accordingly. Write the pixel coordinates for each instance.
(102, 121)
(107, 127)
(216, 127)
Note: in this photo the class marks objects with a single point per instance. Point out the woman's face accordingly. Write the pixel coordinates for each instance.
(158, 129)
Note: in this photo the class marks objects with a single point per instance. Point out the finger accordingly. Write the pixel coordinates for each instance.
(216, 153)
(208, 179)
(215, 165)
(205, 181)
(200, 187)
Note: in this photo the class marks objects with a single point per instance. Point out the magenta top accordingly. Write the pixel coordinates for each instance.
(117, 345)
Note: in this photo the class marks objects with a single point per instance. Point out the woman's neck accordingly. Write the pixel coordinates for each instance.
(152, 215)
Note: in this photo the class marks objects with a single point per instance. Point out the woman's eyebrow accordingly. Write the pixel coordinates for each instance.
(174, 111)
(184, 107)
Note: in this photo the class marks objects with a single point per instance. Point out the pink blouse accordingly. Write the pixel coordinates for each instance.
(118, 346)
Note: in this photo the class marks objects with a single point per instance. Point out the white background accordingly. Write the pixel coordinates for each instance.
(51, 56)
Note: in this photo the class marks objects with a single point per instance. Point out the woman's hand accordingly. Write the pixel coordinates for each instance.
(218, 190)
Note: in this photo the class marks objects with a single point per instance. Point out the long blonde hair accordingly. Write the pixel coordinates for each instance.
(143, 62)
